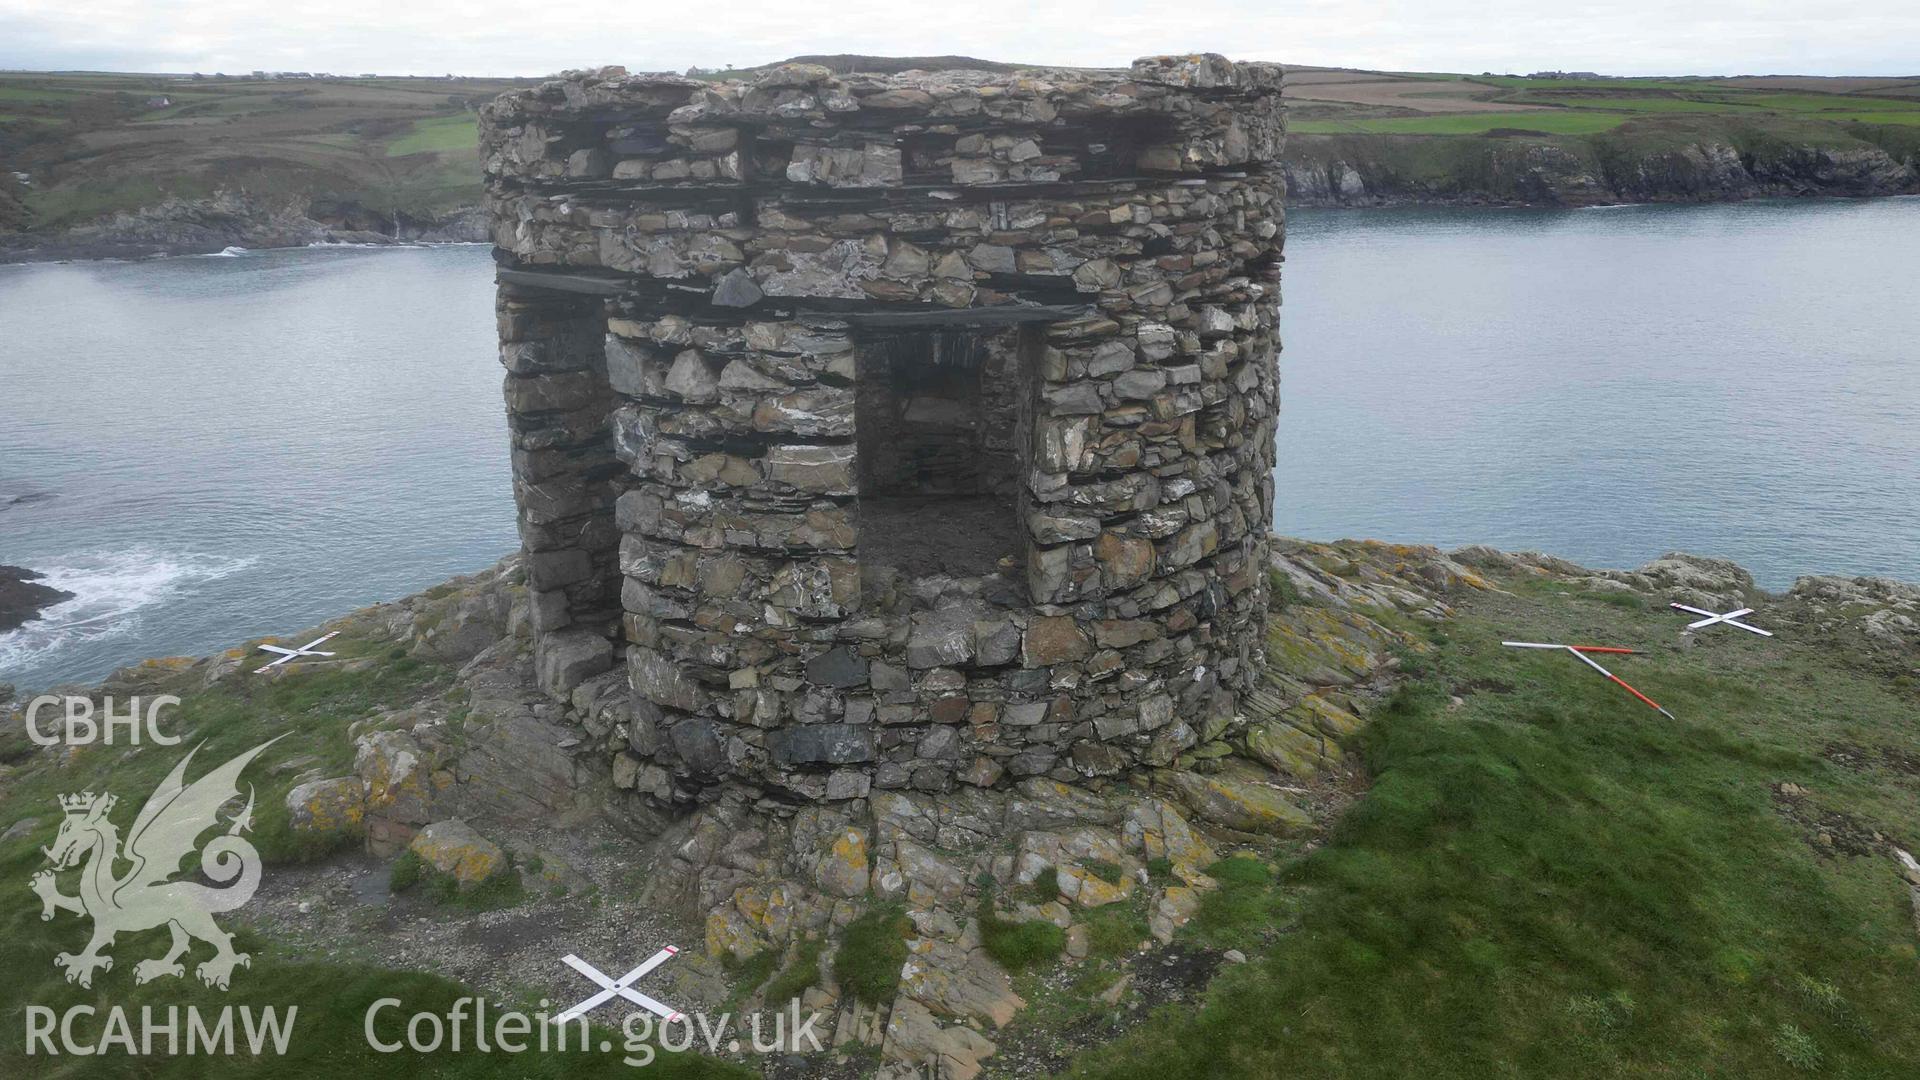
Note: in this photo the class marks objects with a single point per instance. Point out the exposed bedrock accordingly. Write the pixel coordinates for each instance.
(23, 597)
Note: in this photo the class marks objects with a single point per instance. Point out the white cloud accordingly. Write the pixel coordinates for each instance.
(527, 37)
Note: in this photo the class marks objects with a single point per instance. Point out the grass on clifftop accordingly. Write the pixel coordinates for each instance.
(1549, 123)
(1551, 880)
(1401, 104)
(441, 134)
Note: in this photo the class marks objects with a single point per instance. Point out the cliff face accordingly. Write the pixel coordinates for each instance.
(1372, 170)
(179, 226)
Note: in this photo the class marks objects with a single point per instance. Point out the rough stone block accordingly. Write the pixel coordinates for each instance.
(817, 744)
(456, 848)
(1053, 639)
(564, 659)
(824, 469)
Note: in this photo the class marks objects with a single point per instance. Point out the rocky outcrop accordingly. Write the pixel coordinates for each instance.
(1883, 612)
(23, 597)
(454, 848)
(1516, 169)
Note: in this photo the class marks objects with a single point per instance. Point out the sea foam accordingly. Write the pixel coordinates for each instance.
(111, 592)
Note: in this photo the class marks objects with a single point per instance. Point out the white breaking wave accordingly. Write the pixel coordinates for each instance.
(110, 590)
(229, 253)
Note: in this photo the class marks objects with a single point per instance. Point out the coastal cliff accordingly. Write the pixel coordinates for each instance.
(1539, 170)
(196, 226)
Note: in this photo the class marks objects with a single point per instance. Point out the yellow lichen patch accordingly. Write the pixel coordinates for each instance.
(768, 909)
(1083, 887)
(1285, 748)
(730, 932)
(326, 805)
(1317, 711)
(1161, 833)
(454, 848)
(844, 869)
(1235, 804)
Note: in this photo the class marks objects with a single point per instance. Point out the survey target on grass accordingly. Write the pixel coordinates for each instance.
(1580, 652)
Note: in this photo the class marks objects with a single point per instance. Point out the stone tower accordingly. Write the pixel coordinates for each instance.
(894, 430)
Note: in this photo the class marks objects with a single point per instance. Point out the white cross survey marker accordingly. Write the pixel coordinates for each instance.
(1580, 653)
(1731, 618)
(621, 987)
(289, 654)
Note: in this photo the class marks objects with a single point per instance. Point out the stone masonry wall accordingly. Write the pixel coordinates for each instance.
(692, 274)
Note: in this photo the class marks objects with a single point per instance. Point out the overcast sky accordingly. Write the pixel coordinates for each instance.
(528, 37)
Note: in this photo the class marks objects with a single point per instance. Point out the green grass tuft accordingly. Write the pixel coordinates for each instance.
(408, 869)
(1045, 886)
(749, 973)
(800, 974)
(872, 949)
(1115, 930)
(1797, 1048)
(1018, 946)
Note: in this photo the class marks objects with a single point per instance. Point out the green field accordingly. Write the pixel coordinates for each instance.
(442, 134)
(38, 96)
(1568, 123)
(1328, 102)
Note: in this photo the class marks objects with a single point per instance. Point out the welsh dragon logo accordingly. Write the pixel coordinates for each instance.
(165, 831)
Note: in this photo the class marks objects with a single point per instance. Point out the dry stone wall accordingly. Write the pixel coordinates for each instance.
(705, 285)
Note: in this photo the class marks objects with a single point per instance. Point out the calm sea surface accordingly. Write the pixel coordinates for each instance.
(1611, 384)
(207, 449)
(218, 448)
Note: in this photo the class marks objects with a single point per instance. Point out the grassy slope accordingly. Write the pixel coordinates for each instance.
(1552, 880)
(97, 143)
(312, 709)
